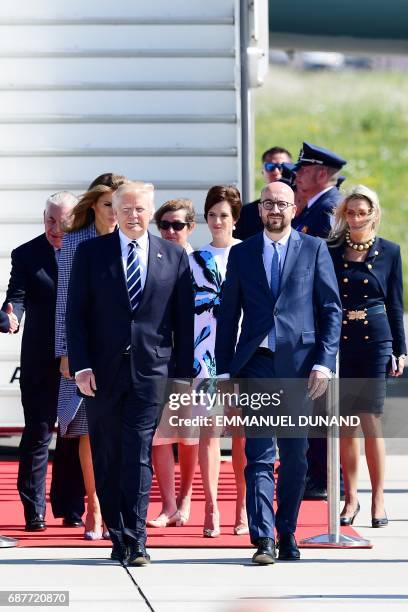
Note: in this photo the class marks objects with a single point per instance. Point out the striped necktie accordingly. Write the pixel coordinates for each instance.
(133, 279)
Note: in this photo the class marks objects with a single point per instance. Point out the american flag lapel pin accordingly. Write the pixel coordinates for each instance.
(159, 255)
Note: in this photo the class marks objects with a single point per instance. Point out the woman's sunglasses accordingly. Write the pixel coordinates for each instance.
(176, 225)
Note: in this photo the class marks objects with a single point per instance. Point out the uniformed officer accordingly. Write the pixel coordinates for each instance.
(317, 175)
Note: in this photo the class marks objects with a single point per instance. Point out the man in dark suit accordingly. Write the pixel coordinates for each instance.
(317, 174)
(130, 320)
(284, 284)
(32, 290)
(317, 179)
(276, 165)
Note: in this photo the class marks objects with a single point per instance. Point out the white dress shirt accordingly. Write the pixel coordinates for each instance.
(142, 250)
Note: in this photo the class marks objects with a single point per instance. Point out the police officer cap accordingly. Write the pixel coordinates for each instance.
(310, 154)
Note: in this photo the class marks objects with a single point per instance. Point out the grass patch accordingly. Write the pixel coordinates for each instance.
(361, 116)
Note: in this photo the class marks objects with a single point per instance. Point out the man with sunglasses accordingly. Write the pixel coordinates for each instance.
(276, 166)
(282, 286)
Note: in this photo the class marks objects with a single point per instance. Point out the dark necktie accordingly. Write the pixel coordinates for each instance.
(133, 279)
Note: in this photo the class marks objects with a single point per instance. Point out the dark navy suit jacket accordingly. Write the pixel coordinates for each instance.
(384, 259)
(316, 220)
(306, 315)
(249, 222)
(32, 289)
(100, 322)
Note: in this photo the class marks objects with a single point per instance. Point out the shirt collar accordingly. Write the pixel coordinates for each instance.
(283, 241)
(142, 241)
(317, 196)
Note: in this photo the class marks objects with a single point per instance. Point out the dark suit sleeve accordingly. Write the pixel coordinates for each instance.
(328, 310)
(4, 322)
(183, 321)
(228, 317)
(77, 312)
(17, 287)
(395, 306)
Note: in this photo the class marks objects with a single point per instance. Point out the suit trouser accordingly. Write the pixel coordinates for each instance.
(40, 412)
(259, 472)
(121, 428)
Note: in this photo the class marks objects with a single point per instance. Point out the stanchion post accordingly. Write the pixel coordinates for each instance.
(334, 538)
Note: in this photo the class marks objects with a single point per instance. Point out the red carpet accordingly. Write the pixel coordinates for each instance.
(312, 518)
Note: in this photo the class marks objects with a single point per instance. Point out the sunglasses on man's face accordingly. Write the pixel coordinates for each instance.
(271, 166)
(176, 225)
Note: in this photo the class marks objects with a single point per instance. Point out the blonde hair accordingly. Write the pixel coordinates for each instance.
(340, 225)
(134, 187)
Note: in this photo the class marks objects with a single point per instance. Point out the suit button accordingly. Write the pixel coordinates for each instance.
(345, 280)
(366, 337)
(365, 281)
(365, 322)
(345, 337)
(346, 265)
(345, 295)
(376, 253)
(345, 322)
(369, 266)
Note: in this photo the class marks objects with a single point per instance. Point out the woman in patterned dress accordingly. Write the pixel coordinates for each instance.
(208, 265)
(91, 217)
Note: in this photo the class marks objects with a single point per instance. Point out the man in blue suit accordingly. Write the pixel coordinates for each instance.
(130, 324)
(284, 285)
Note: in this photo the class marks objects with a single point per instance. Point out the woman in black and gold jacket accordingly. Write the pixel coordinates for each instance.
(372, 345)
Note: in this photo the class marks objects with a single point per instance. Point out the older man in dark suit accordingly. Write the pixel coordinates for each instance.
(32, 290)
(130, 320)
(284, 284)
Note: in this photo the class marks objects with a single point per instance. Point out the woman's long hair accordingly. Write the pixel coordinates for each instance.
(340, 226)
(83, 214)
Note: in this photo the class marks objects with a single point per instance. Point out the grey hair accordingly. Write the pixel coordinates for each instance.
(61, 198)
(340, 225)
(134, 187)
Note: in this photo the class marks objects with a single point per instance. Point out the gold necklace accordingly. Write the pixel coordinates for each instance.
(359, 246)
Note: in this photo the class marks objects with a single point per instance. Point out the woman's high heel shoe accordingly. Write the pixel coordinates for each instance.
(241, 530)
(349, 520)
(182, 519)
(165, 521)
(93, 535)
(214, 519)
(379, 522)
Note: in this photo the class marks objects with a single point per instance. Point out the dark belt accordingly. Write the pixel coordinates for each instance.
(360, 315)
(263, 350)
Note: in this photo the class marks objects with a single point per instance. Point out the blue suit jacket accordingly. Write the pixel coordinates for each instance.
(4, 322)
(307, 312)
(316, 220)
(100, 323)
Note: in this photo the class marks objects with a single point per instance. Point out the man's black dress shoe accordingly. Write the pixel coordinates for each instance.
(349, 520)
(265, 555)
(119, 553)
(379, 522)
(288, 549)
(72, 521)
(313, 492)
(138, 556)
(37, 523)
